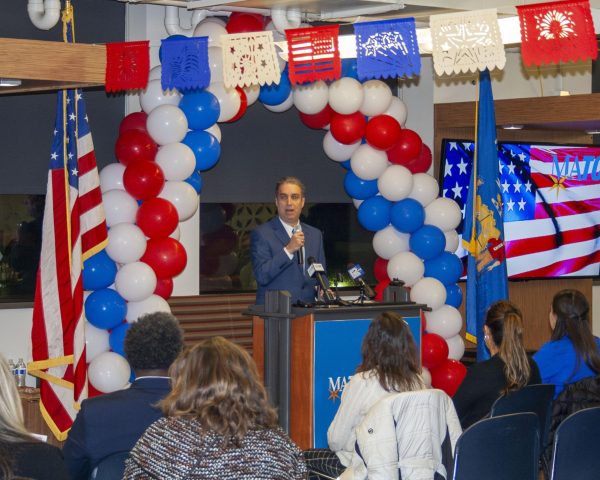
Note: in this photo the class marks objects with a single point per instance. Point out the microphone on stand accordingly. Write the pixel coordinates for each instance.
(356, 272)
(300, 251)
(317, 271)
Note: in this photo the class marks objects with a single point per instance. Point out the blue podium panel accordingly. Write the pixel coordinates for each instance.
(337, 355)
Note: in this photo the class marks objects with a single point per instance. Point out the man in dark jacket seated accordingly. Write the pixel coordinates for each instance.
(111, 424)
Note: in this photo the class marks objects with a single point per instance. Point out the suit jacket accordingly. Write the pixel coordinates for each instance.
(274, 270)
(112, 423)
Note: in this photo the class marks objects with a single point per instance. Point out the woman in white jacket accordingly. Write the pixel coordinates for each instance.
(389, 365)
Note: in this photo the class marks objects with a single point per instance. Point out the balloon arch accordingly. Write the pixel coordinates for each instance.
(156, 184)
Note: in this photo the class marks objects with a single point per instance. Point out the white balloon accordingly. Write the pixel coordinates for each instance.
(451, 241)
(388, 242)
(109, 372)
(357, 203)
(426, 376)
(252, 92)
(444, 213)
(167, 124)
(395, 183)
(406, 266)
(154, 303)
(367, 162)
(96, 341)
(445, 321)
(176, 233)
(229, 100)
(215, 63)
(126, 243)
(111, 177)
(397, 110)
(183, 196)
(176, 160)
(311, 98)
(346, 95)
(456, 347)
(337, 151)
(283, 106)
(215, 131)
(154, 96)
(377, 98)
(429, 291)
(277, 35)
(155, 73)
(135, 281)
(425, 188)
(211, 28)
(119, 207)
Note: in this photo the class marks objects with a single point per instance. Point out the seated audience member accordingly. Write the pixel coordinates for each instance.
(218, 423)
(111, 424)
(22, 455)
(389, 364)
(572, 352)
(509, 368)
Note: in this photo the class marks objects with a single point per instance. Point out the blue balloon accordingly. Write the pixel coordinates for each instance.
(454, 295)
(99, 271)
(407, 215)
(116, 339)
(206, 148)
(349, 68)
(345, 164)
(358, 188)
(447, 268)
(168, 39)
(427, 242)
(374, 213)
(201, 108)
(105, 308)
(276, 94)
(195, 180)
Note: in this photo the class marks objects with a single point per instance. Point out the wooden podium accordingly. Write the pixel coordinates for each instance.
(308, 354)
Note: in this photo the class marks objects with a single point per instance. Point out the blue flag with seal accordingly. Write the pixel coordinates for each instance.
(483, 236)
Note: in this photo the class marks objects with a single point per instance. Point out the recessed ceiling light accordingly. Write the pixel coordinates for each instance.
(512, 127)
(9, 82)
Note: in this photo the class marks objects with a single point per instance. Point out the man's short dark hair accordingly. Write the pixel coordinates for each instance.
(293, 180)
(153, 342)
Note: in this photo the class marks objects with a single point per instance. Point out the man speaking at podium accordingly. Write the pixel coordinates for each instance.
(280, 248)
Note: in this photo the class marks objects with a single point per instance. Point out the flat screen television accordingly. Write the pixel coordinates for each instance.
(551, 204)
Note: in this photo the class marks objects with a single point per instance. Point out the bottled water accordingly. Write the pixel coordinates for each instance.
(21, 373)
(12, 367)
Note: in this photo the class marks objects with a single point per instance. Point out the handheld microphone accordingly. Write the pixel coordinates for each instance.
(356, 272)
(300, 251)
(316, 270)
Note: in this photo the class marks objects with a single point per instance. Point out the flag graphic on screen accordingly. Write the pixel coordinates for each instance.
(74, 228)
(551, 197)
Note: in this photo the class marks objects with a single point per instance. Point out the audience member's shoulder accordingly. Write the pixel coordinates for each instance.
(40, 460)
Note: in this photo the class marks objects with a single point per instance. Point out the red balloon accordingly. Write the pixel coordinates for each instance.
(434, 350)
(221, 242)
(317, 120)
(243, 105)
(379, 288)
(157, 217)
(422, 162)
(134, 121)
(383, 132)
(380, 269)
(448, 376)
(135, 145)
(143, 179)
(348, 129)
(164, 287)
(166, 256)
(406, 149)
(245, 22)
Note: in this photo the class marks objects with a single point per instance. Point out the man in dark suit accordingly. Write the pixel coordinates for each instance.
(280, 248)
(111, 424)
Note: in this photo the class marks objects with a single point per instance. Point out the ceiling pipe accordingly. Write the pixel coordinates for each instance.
(44, 14)
(284, 19)
(173, 22)
(343, 14)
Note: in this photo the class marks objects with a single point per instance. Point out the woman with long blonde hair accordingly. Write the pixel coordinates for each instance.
(22, 455)
(508, 369)
(218, 423)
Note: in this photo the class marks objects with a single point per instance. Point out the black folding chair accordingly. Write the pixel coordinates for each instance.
(576, 454)
(499, 448)
(531, 398)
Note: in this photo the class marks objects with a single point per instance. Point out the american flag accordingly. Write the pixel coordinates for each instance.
(551, 197)
(74, 229)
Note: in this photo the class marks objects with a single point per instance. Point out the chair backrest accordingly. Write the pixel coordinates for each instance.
(531, 398)
(111, 467)
(499, 448)
(576, 453)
